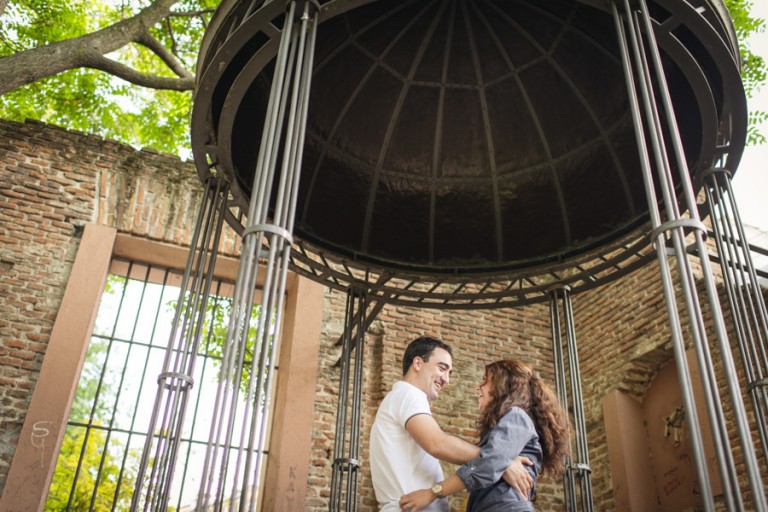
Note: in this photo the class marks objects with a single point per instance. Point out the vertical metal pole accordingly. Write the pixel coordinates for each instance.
(167, 420)
(346, 450)
(744, 295)
(236, 445)
(568, 385)
(662, 152)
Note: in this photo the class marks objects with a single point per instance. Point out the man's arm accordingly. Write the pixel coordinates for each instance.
(428, 434)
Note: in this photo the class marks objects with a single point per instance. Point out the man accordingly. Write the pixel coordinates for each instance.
(406, 441)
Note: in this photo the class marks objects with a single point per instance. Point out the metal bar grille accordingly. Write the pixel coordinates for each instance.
(100, 458)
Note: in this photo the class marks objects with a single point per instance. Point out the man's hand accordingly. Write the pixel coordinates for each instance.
(518, 477)
(416, 500)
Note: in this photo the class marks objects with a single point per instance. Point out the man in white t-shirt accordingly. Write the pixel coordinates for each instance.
(406, 441)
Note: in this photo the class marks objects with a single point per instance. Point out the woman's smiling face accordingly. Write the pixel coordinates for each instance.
(484, 393)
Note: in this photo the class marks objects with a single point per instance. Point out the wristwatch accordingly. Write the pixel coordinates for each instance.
(438, 490)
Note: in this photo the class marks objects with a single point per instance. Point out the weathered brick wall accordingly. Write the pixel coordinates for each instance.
(477, 338)
(52, 183)
(623, 339)
(41, 206)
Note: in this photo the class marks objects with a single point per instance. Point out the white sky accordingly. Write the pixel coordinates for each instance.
(750, 182)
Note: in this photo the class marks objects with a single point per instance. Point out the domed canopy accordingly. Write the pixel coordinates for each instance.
(468, 134)
(466, 137)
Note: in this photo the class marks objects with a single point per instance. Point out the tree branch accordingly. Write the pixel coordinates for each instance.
(129, 74)
(187, 14)
(88, 50)
(149, 41)
(169, 28)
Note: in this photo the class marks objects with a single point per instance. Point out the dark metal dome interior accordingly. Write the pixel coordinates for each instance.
(466, 137)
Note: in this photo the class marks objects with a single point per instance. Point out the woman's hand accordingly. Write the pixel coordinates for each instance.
(416, 500)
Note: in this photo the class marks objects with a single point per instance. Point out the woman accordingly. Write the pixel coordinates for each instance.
(519, 415)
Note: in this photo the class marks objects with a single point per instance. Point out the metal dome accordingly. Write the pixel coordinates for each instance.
(484, 142)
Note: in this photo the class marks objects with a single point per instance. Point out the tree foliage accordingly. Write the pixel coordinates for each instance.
(120, 69)
(124, 69)
(754, 68)
(90, 474)
(218, 310)
(115, 482)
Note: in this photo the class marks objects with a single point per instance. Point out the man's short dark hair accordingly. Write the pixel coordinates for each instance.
(422, 347)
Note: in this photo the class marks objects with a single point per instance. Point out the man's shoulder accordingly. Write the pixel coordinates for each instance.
(401, 388)
(403, 401)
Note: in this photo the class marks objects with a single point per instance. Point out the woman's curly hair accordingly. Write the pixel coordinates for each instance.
(515, 384)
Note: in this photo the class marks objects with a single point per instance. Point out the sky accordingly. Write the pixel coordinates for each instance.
(750, 181)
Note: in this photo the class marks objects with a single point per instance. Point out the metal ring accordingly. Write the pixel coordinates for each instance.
(299, 3)
(757, 384)
(558, 287)
(176, 375)
(352, 463)
(714, 170)
(684, 223)
(269, 228)
(581, 467)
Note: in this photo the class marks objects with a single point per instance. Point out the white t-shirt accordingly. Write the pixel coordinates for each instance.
(398, 464)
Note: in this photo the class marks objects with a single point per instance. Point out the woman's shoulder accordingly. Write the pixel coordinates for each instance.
(517, 416)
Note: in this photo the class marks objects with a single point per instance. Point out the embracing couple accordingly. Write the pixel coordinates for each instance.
(523, 432)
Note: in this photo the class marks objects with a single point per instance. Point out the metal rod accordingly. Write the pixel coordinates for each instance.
(233, 470)
(729, 368)
(571, 397)
(340, 442)
(346, 450)
(744, 294)
(693, 306)
(237, 331)
(196, 308)
(288, 190)
(181, 353)
(658, 110)
(665, 273)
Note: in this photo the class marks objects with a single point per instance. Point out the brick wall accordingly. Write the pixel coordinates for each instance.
(623, 339)
(52, 182)
(477, 338)
(47, 193)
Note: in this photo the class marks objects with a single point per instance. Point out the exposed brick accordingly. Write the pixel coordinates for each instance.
(51, 180)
